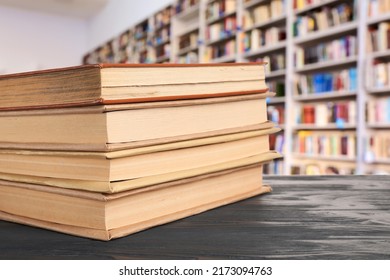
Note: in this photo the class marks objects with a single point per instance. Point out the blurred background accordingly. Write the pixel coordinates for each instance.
(328, 61)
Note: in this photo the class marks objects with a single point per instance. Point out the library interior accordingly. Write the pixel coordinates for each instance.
(328, 62)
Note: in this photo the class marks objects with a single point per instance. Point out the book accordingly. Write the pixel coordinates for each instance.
(124, 83)
(107, 216)
(124, 169)
(339, 113)
(121, 126)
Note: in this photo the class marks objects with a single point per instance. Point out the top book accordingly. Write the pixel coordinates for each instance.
(128, 83)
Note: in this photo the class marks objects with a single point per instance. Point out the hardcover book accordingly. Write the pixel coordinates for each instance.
(124, 83)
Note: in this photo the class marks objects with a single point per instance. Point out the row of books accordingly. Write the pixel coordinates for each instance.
(257, 38)
(142, 29)
(274, 61)
(162, 52)
(300, 4)
(378, 147)
(340, 80)
(340, 113)
(380, 75)
(325, 18)
(162, 18)
(104, 151)
(378, 110)
(189, 40)
(334, 50)
(123, 47)
(219, 8)
(378, 38)
(275, 167)
(378, 7)
(263, 13)
(227, 48)
(148, 55)
(162, 36)
(130, 47)
(276, 142)
(117, 50)
(222, 29)
(141, 45)
(182, 5)
(326, 144)
(276, 113)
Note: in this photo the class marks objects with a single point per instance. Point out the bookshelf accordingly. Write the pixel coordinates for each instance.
(325, 57)
(161, 35)
(325, 62)
(377, 136)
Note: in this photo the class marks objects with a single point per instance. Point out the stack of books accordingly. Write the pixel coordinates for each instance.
(103, 151)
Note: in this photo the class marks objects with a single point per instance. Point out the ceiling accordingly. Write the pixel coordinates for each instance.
(82, 9)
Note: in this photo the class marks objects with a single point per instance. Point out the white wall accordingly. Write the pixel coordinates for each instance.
(33, 41)
(118, 16)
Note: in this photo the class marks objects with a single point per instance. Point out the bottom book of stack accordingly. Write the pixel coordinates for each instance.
(106, 216)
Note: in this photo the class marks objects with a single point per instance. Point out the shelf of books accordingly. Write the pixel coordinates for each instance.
(325, 87)
(377, 142)
(221, 31)
(161, 35)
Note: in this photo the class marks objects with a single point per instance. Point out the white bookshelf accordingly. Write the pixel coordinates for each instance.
(193, 19)
(371, 92)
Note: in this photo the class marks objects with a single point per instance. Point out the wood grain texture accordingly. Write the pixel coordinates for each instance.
(328, 217)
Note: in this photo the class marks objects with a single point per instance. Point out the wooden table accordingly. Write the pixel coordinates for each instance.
(332, 217)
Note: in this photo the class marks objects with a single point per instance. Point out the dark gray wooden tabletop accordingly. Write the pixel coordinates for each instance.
(330, 217)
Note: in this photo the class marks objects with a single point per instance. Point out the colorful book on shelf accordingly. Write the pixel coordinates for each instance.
(323, 82)
(124, 83)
